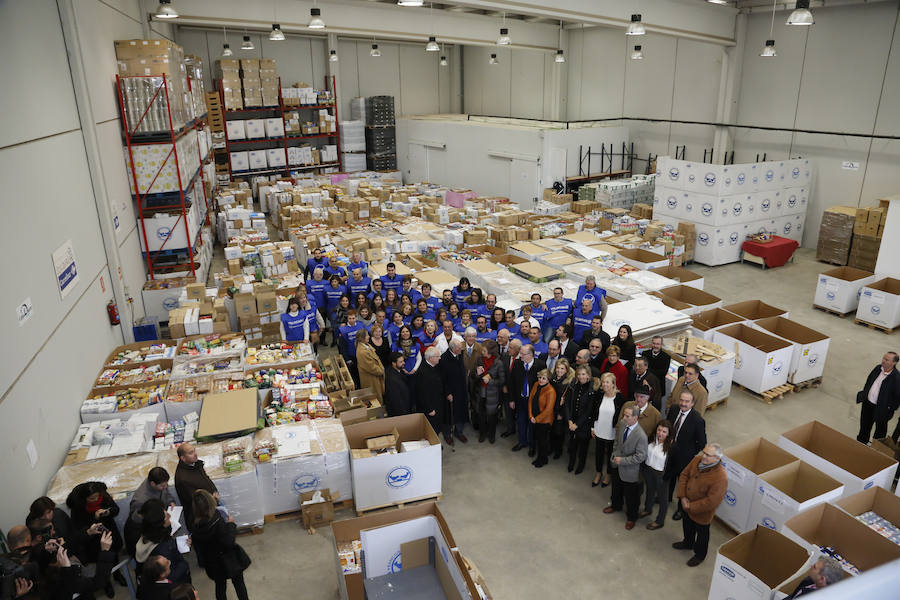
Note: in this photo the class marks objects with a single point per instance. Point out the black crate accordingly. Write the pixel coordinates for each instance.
(381, 163)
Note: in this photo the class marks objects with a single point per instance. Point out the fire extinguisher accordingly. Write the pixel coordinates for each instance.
(113, 312)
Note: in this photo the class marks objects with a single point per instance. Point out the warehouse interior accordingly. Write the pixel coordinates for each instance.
(569, 95)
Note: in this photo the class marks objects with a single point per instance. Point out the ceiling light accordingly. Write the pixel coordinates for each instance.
(374, 52)
(801, 14)
(432, 45)
(315, 19)
(332, 56)
(165, 10)
(247, 44)
(635, 27)
(560, 56)
(277, 35)
(769, 50)
(226, 50)
(493, 60)
(444, 62)
(504, 39)
(637, 53)
(410, 2)
(718, 1)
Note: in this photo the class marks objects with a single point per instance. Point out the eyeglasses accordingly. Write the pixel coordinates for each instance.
(708, 455)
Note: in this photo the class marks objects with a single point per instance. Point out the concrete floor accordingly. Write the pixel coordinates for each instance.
(537, 533)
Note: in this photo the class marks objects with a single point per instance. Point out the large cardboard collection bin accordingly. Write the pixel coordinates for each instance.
(752, 310)
(706, 323)
(876, 500)
(839, 289)
(879, 303)
(681, 275)
(761, 360)
(698, 299)
(810, 348)
(786, 491)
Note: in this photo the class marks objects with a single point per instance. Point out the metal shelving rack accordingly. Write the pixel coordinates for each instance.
(148, 204)
(286, 138)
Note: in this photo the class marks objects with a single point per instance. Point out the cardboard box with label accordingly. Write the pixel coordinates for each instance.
(752, 310)
(877, 508)
(643, 259)
(810, 348)
(391, 478)
(761, 360)
(789, 490)
(316, 513)
(698, 299)
(681, 275)
(743, 465)
(879, 303)
(706, 323)
(753, 564)
(839, 289)
(855, 465)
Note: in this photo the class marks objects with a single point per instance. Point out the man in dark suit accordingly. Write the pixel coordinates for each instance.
(639, 376)
(658, 361)
(584, 358)
(430, 392)
(689, 431)
(567, 347)
(155, 584)
(523, 379)
(691, 359)
(552, 355)
(456, 390)
(595, 333)
(879, 398)
(509, 359)
(398, 400)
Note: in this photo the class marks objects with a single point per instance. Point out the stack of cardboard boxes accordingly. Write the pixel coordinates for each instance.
(248, 82)
(852, 236)
(149, 61)
(867, 231)
(835, 233)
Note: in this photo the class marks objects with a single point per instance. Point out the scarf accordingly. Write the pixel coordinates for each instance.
(93, 507)
(487, 362)
(536, 399)
(704, 467)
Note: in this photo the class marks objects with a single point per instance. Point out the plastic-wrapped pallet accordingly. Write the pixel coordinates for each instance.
(379, 111)
(238, 487)
(353, 161)
(330, 434)
(358, 109)
(353, 136)
(297, 467)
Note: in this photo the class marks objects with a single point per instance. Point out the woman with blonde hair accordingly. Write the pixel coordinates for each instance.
(561, 379)
(371, 370)
(580, 409)
(540, 411)
(488, 380)
(610, 401)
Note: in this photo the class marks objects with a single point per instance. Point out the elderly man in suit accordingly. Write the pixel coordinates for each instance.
(629, 453)
(649, 417)
(523, 378)
(879, 399)
(471, 354)
(690, 381)
(430, 399)
(456, 389)
(640, 376)
(658, 360)
(509, 358)
(689, 433)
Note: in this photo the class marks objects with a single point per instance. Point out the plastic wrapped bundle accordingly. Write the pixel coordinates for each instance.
(330, 433)
(354, 162)
(353, 136)
(358, 109)
(121, 475)
(835, 234)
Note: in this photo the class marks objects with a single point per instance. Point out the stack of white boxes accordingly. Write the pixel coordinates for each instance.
(726, 203)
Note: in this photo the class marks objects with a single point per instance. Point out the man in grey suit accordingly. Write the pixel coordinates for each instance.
(629, 452)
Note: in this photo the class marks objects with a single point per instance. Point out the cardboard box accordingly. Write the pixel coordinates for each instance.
(391, 478)
(761, 360)
(753, 564)
(810, 348)
(245, 304)
(707, 322)
(877, 500)
(879, 303)
(835, 234)
(698, 299)
(752, 310)
(864, 251)
(643, 259)
(855, 465)
(536, 272)
(384, 442)
(789, 490)
(319, 513)
(743, 464)
(228, 414)
(826, 525)
(839, 289)
(681, 275)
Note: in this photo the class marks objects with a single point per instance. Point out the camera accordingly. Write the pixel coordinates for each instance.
(12, 569)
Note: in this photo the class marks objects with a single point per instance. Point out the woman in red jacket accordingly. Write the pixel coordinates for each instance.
(540, 410)
(612, 364)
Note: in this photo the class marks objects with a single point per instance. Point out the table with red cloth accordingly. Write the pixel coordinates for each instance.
(775, 252)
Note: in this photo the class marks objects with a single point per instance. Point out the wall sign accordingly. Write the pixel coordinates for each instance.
(849, 165)
(64, 266)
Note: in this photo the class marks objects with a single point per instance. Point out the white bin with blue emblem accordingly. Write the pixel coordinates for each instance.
(789, 490)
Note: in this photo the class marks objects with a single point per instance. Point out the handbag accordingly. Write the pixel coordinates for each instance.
(235, 561)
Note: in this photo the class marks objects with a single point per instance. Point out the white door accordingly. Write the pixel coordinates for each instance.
(437, 165)
(418, 163)
(523, 182)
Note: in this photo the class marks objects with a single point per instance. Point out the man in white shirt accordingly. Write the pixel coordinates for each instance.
(503, 341)
(442, 343)
(879, 399)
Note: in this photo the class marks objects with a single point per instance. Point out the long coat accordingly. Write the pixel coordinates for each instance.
(453, 376)
(371, 371)
(398, 400)
(430, 395)
(488, 405)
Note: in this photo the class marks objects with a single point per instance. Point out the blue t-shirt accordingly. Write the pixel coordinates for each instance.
(348, 334)
(461, 297)
(395, 284)
(363, 266)
(413, 294)
(312, 263)
(597, 293)
(536, 313)
(557, 313)
(333, 295)
(316, 291)
(433, 303)
(427, 315)
(311, 315)
(478, 310)
(394, 330)
(409, 363)
(294, 326)
(582, 322)
(359, 287)
(426, 341)
(487, 335)
(540, 349)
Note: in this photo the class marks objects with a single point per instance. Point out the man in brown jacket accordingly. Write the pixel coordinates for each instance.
(649, 417)
(190, 476)
(701, 488)
(691, 381)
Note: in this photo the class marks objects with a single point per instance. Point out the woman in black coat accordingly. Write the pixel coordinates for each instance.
(580, 410)
(488, 379)
(561, 379)
(45, 508)
(92, 509)
(156, 540)
(217, 552)
(625, 341)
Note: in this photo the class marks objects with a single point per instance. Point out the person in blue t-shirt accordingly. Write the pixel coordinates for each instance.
(417, 325)
(358, 284)
(482, 333)
(315, 287)
(523, 334)
(357, 262)
(476, 304)
(391, 303)
(429, 334)
(347, 344)
(462, 292)
(465, 321)
(377, 289)
(597, 294)
(453, 313)
(535, 338)
(581, 319)
(433, 303)
(316, 261)
(408, 290)
(309, 309)
(392, 281)
(360, 300)
(409, 346)
(510, 323)
(333, 294)
(558, 310)
(294, 323)
(340, 272)
(497, 319)
(406, 310)
(395, 325)
(422, 309)
(376, 303)
(538, 310)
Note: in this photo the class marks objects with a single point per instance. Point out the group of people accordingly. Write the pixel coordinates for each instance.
(51, 555)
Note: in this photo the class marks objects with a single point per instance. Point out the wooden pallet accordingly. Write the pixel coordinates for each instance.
(873, 326)
(292, 515)
(832, 312)
(723, 403)
(769, 395)
(337, 371)
(832, 262)
(809, 383)
(396, 505)
(255, 530)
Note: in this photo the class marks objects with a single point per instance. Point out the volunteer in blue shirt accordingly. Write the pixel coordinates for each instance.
(433, 303)
(524, 333)
(422, 309)
(377, 289)
(417, 325)
(315, 287)
(392, 281)
(395, 325)
(407, 345)
(476, 304)
(406, 310)
(462, 292)
(317, 260)
(429, 334)
(294, 323)
(340, 272)
(538, 310)
(535, 338)
(309, 309)
(357, 262)
(510, 323)
(358, 283)
(597, 294)
(558, 310)
(333, 292)
(497, 319)
(407, 289)
(482, 333)
(464, 321)
(347, 345)
(581, 319)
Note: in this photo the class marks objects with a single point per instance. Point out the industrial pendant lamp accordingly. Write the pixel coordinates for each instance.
(637, 53)
(444, 62)
(718, 1)
(276, 35)
(769, 48)
(493, 60)
(560, 55)
(432, 45)
(504, 39)
(332, 56)
(410, 2)
(315, 18)
(801, 14)
(635, 27)
(226, 49)
(165, 10)
(247, 44)
(374, 52)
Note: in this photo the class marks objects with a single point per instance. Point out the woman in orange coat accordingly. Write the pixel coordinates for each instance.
(540, 410)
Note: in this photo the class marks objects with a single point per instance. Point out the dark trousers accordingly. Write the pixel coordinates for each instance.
(578, 449)
(523, 424)
(896, 435)
(510, 415)
(487, 426)
(695, 535)
(542, 440)
(557, 438)
(239, 588)
(603, 454)
(627, 493)
(657, 491)
(867, 419)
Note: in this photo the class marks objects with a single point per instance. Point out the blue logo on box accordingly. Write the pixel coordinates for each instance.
(767, 522)
(795, 172)
(727, 572)
(706, 209)
(868, 485)
(730, 498)
(813, 359)
(720, 385)
(737, 208)
(396, 565)
(163, 233)
(733, 238)
(776, 368)
(709, 179)
(703, 239)
(170, 303)
(741, 178)
(305, 483)
(876, 309)
(830, 295)
(674, 173)
(770, 175)
(672, 202)
(692, 178)
(787, 228)
(792, 201)
(399, 477)
(765, 204)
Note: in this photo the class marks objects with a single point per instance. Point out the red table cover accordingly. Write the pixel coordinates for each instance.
(775, 252)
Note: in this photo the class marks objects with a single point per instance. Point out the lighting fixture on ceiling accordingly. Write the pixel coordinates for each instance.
(637, 53)
(276, 35)
(444, 62)
(560, 56)
(493, 60)
(504, 39)
(432, 45)
(315, 18)
(769, 49)
(410, 2)
(718, 1)
(635, 27)
(332, 56)
(801, 14)
(374, 52)
(247, 44)
(226, 49)
(165, 10)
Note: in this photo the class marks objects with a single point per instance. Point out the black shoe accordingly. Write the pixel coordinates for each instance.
(492, 439)
(694, 561)
(506, 434)
(481, 437)
(595, 483)
(571, 468)
(540, 464)
(517, 447)
(532, 452)
(682, 545)
(120, 579)
(677, 516)
(579, 470)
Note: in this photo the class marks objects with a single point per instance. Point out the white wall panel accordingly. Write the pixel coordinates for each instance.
(134, 269)
(318, 49)
(496, 81)
(420, 90)
(748, 143)
(115, 176)
(194, 42)
(698, 72)
(293, 59)
(446, 77)
(648, 82)
(575, 62)
(379, 76)
(650, 138)
(348, 67)
(888, 122)
(882, 174)
(602, 63)
(527, 84)
(475, 62)
(697, 138)
(36, 94)
(131, 8)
